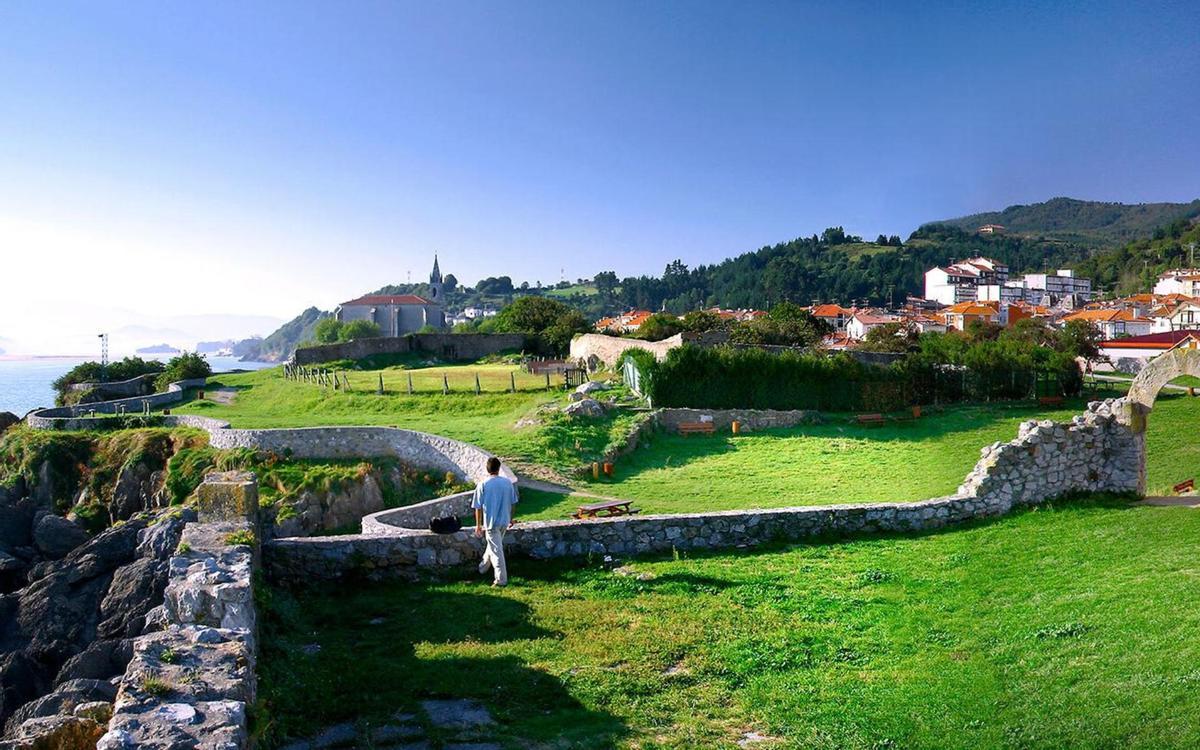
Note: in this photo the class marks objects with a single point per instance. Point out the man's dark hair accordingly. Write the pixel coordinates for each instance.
(493, 465)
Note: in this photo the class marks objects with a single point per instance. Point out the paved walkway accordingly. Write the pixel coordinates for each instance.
(448, 725)
(220, 395)
(1186, 501)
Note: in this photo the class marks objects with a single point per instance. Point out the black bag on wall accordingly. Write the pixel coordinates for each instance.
(445, 525)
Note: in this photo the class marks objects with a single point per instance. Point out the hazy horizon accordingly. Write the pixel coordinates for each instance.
(168, 161)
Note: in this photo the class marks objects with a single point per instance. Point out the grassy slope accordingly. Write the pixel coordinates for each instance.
(265, 399)
(1060, 627)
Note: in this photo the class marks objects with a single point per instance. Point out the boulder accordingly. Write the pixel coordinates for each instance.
(101, 660)
(63, 700)
(592, 386)
(8, 419)
(55, 536)
(56, 733)
(135, 589)
(588, 407)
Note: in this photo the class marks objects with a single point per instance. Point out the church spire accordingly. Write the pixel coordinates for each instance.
(436, 276)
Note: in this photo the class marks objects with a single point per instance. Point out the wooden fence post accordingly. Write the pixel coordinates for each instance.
(380, 390)
(410, 388)
(512, 382)
(476, 384)
(547, 380)
(445, 385)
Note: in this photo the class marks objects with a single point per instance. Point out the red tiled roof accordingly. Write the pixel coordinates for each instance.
(828, 311)
(1163, 340)
(389, 299)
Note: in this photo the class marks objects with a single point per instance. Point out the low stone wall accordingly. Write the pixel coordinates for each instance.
(191, 683)
(454, 346)
(74, 417)
(135, 386)
(747, 419)
(1097, 451)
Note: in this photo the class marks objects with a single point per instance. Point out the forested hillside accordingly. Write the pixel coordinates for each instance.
(1091, 223)
(1134, 267)
(835, 267)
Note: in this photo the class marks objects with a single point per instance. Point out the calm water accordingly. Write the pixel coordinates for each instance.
(25, 383)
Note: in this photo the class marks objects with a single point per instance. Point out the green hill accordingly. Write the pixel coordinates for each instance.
(1091, 223)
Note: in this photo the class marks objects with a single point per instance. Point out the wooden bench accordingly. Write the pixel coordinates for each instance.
(606, 509)
(1050, 400)
(1186, 486)
(687, 428)
(871, 420)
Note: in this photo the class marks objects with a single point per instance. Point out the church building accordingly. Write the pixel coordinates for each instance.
(399, 314)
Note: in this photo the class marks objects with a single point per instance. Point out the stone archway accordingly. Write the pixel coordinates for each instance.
(1183, 359)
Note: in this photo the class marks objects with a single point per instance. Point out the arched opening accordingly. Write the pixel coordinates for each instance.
(1170, 370)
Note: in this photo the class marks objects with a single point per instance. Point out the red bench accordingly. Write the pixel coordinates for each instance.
(1050, 401)
(871, 420)
(1186, 486)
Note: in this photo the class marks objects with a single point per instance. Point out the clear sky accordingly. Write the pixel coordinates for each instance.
(162, 159)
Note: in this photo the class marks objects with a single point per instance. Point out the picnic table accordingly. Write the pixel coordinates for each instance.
(606, 509)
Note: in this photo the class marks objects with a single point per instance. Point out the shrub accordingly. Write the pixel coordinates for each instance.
(186, 366)
(359, 329)
(92, 372)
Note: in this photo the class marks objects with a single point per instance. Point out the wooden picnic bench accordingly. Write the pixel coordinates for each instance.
(687, 428)
(871, 420)
(1185, 486)
(606, 509)
(1050, 400)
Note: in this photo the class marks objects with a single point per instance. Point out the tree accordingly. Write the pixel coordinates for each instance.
(659, 326)
(449, 283)
(359, 329)
(606, 284)
(328, 331)
(1030, 331)
(1079, 338)
(187, 366)
(499, 285)
(555, 321)
(890, 337)
(700, 321)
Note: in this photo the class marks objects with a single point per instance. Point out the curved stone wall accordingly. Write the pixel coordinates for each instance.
(1098, 450)
(75, 417)
(1094, 452)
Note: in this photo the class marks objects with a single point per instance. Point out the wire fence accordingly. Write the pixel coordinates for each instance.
(432, 380)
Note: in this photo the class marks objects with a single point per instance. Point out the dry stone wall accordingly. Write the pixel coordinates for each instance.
(191, 683)
(456, 346)
(1094, 452)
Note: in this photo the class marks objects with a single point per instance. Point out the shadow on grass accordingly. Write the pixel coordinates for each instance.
(361, 653)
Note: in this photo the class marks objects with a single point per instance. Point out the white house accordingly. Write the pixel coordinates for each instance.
(958, 282)
(861, 322)
(1115, 323)
(1182, 316)
(1185, 281)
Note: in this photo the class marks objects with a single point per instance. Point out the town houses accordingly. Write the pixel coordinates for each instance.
(981, 291)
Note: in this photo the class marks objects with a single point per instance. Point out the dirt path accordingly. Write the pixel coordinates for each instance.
(562, 489)
(223, 396)
(1185, 501)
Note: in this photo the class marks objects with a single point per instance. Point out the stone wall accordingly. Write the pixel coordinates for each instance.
(747, 419)
(135, 386)
(454, 346)
(191, 683)
(597, 348)
(75, 417)
(1095, 452)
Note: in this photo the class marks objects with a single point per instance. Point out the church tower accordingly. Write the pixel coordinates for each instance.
(435, 282)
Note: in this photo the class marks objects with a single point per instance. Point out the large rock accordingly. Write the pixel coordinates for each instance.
(55, 536)
(592, 386)
(63, 700)
(8, 419)
(588, 407)
(136, 588)
(56, 733)
(101, 660)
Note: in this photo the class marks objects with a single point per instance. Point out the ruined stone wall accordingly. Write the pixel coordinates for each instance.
(747, 419)
(191, 683)
(596, 348)
(1094, 452)
(75, 417)
(455, 346)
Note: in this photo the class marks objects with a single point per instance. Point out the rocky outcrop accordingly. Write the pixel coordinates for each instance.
(65, 633)
(7, 419)
(315, 511)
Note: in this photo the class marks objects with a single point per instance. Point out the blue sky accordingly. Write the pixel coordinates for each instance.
(263, 157)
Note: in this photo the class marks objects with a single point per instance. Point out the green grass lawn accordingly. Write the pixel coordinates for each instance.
(265, 399)
(844, 463)
(1067, 626)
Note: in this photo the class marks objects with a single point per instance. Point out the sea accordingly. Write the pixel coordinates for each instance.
(25, 382)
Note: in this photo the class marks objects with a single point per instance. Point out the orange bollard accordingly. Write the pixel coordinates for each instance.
(736, 426)
(608, 468)
(596, 470)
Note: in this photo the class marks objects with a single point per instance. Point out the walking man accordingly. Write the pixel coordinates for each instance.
(493, 504)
